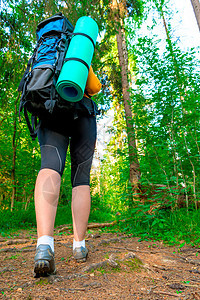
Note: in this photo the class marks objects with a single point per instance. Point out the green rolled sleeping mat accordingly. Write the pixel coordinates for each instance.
(74, 73)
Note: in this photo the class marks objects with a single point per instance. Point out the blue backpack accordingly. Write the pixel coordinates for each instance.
(39, 95)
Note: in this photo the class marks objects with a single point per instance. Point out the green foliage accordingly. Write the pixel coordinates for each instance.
(20, 218)
(167, 111)
(166, 225)
(165, 104)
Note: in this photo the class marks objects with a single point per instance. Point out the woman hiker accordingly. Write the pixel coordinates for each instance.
(55, 135)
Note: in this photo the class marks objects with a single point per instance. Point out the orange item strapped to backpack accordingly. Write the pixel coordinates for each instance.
(93, 85)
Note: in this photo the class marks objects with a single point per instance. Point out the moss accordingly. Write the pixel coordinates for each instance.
(42, 281)
(106, 256)
(133, 263)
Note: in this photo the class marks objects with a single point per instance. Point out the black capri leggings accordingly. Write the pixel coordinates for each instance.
(54, 137)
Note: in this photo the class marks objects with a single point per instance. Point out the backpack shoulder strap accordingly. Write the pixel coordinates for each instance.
(20, 87)
(90, 106)
(33, 126)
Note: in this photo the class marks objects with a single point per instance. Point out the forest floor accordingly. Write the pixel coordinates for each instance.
(118, 267)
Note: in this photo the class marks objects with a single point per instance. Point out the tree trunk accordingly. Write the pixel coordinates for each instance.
(196, 8)
(14, 147)
(123, 62)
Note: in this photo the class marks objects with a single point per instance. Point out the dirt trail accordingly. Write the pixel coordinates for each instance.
(118, 267)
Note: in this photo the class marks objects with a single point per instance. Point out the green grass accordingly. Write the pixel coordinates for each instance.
(169, 226)
(173, 227)
(21, 219)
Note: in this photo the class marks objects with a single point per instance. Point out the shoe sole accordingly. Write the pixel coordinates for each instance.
(81, 259)
(42, 268)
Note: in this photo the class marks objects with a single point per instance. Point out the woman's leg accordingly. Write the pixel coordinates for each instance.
(82, 149)
(80, 210)
(53, 154)
(47, 190)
